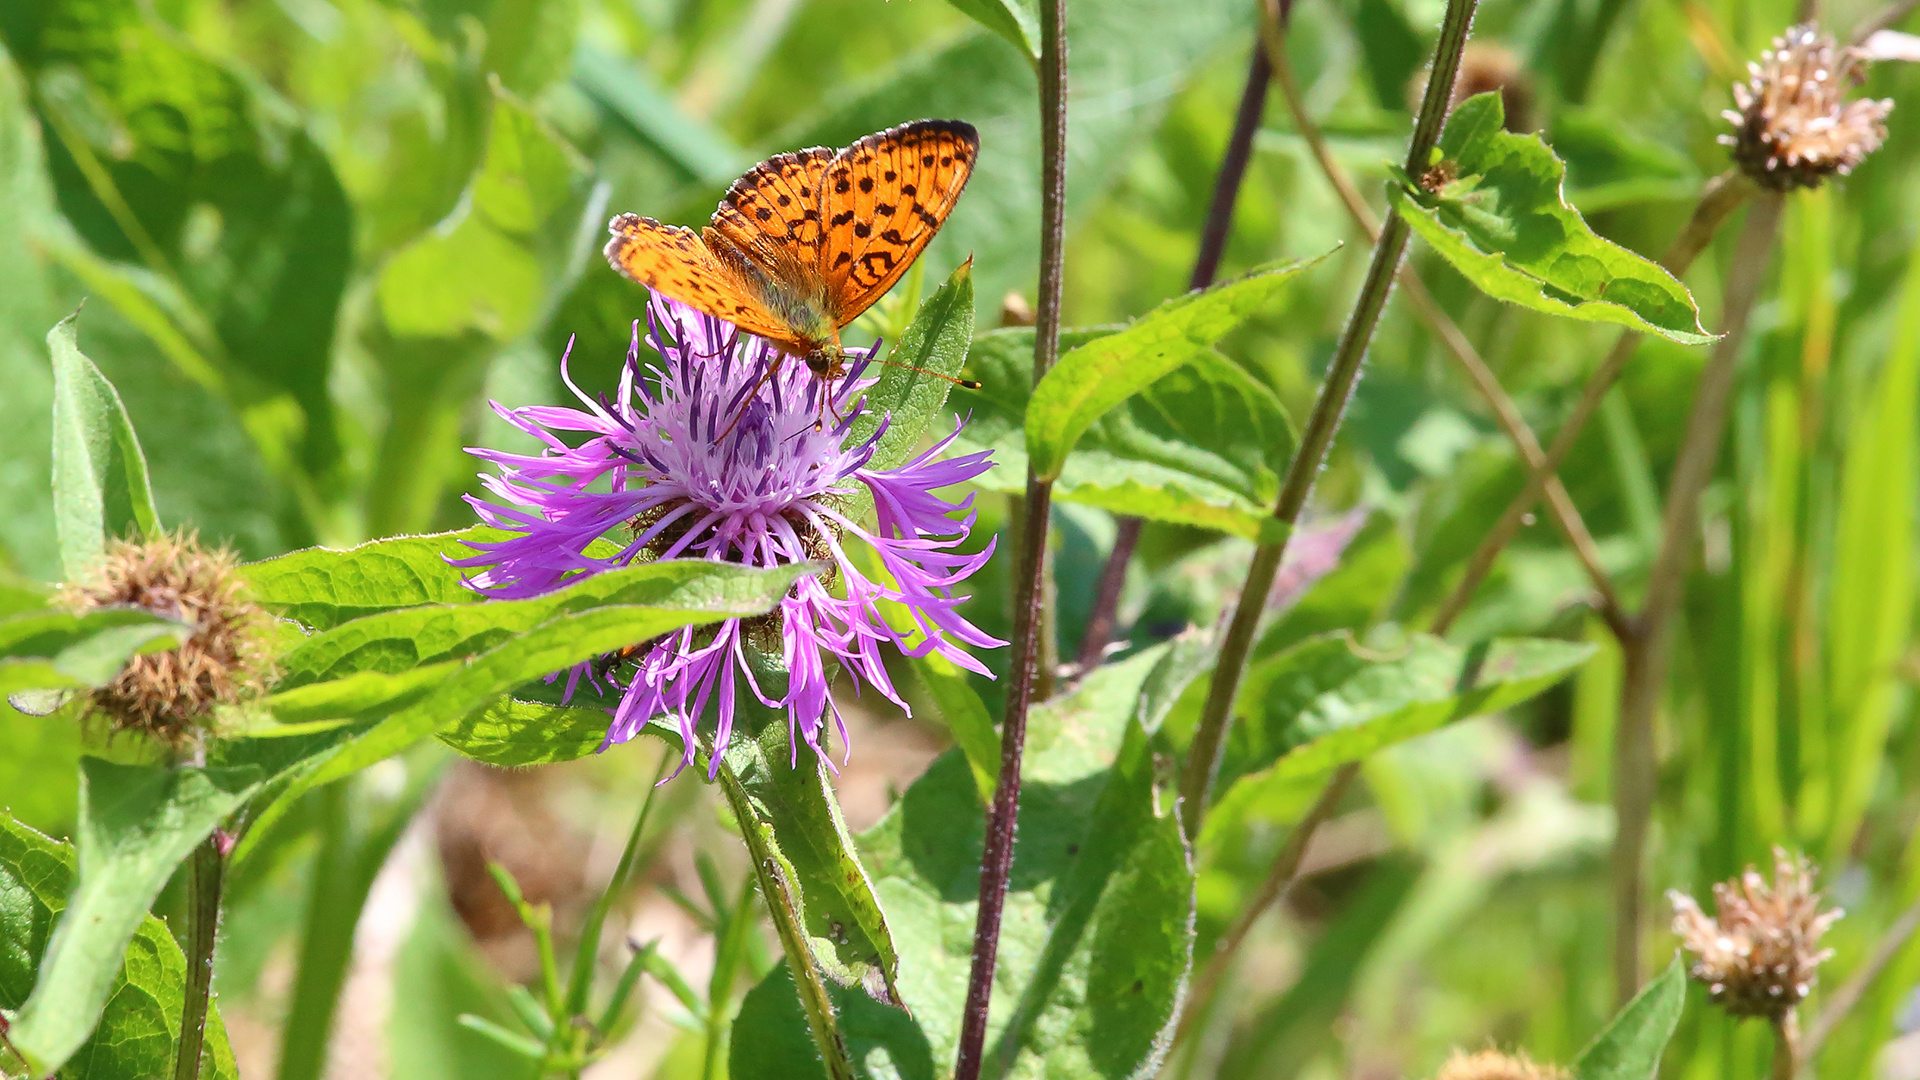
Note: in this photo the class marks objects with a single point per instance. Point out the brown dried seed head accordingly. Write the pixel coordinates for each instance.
(169, 695)
(1793, 126)
(1487, 66)
(1759, 955)
(1494, 1065)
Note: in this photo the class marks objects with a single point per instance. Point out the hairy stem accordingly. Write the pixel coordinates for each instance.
(996, 860)
(205, 876)
(1203, 757)
(1565, 514)
(1213, 245)
(1722, 196)
(1646, 654)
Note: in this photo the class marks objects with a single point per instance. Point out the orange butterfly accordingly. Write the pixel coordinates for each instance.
(806, 241)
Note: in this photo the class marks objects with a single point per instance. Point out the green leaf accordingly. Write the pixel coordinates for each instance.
(1630, 1046)
(137, 823)
(1091, 379)
(1204, 445)
(482, 272)
(396, 641)
(523, 641)
(56, 650)
(1327, 701)
(220, 189)
(322, 588)
(935, 341)
(100, 488)
(781, 795)
(530, 42)
(137, 1028)
(513, 733)
(1014, 20)
(1094, 953)
(1505, 224)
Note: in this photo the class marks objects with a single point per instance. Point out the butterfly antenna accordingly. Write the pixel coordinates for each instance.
(965, 384)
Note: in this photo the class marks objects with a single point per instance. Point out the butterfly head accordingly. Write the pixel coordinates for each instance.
(827, 362)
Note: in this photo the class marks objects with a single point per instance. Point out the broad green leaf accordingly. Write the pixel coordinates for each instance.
(566, 636)
(57, 650)
(530, 42)
(354, 696)
(136, 825)
(513, 733)
(1327, 701)
(245, 214)
(628, 92)
(935, 341)
(393, 642)
(322, 588)
(100, 488)
(1204, 445)
(1091, 379)
(1630, 1046)
(1505, 224)
(137, 1028)
(482, 272)
(1015, 20)
(1094, 952)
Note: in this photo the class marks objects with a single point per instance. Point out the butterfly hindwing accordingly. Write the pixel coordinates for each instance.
(884, 198)
(672, 260)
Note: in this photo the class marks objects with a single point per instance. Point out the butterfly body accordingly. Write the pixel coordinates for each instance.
(805, 242)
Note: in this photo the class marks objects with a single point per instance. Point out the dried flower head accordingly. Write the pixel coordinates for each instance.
(1793, 128)
(169, 695)
(1494, 1065)
(1759, 955)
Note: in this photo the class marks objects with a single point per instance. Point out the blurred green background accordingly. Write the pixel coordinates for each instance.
(315, 236)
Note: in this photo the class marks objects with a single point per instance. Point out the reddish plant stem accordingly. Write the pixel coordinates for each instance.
(996, 862)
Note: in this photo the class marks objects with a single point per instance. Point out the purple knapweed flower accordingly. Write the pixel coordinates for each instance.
(708, 456)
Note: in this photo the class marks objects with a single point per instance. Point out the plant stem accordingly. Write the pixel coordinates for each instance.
(1722, 196)
(1203, 757)
(205, 877)
(996, 859)
(1213, 244)
(1844, 999)
(814, 999)
(1645, 649)
(1786, 1045)
(1565, 514)
(581, 981)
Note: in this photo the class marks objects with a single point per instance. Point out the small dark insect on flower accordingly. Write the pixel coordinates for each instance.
(1793, 128)
(1759, 955)
(1494, 1065)
(169, 695)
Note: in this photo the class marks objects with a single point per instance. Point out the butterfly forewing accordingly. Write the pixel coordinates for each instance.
(885, 196)
(772, 214)
(672, 260)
